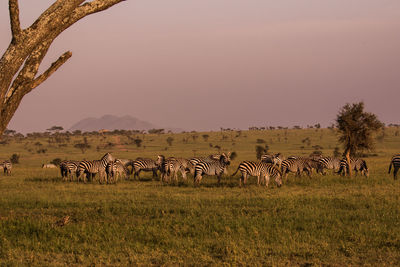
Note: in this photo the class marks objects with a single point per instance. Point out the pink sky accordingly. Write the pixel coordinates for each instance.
(201, 65)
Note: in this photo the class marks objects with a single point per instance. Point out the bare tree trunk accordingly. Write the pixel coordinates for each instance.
(20, 63)
(349, 162)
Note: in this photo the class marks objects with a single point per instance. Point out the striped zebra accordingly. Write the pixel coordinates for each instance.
(275, 159)
(211, 158)
(144, 164)
(357, 164)
(395, 162)
(174, 165)
(213, 167)
(68, 168)
(261, 170)
(311, 162)
(6, 166)
(91, 167)
(127, 163)
(114, 170)
(329, 163)
(295, 165)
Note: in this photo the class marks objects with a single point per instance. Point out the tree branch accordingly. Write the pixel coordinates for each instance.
(53, 68)
(22, 83)
(14, 19)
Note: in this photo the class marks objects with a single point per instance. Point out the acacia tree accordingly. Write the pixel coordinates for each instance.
(356, 129)
(20, 63)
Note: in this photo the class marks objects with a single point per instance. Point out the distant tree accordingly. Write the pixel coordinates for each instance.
(82, 146)
(169, 140)
(9, 132)
(356, 128)
(19, 65)
(260, 150)
(156, 131)
(138, 142)
(260, 141)
(55, 129)
(56, 161)
(205, 137)
(77, 132)
(14, 158)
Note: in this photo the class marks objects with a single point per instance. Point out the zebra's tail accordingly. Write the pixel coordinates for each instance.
(235, 171)
(390, 166)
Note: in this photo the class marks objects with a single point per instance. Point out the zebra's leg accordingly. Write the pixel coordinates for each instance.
(266, 178)
(241, 180)
(244, 175)
(155, 173)
(395, 172)
(183, 172)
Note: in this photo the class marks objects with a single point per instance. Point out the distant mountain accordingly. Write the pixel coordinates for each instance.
(110, 122)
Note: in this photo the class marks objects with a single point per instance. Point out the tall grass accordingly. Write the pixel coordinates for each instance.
(325, 220)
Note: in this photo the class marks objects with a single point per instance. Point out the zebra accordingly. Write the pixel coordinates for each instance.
(259, 169)
(296, 165)
(311, 162)
(175, 165)
(357, 165)
(211, 158)
(275, 159)
(127, 163)
(6, 166)
(144, 164)
(214, 167)
(91, 167)
(330, 163)
(115, 169)
(396, 165)
(68, 168)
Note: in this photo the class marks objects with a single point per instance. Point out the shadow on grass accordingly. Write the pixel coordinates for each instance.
(44, 180)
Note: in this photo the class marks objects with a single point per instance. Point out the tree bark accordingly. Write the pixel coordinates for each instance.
(347, 153)
(20, 63)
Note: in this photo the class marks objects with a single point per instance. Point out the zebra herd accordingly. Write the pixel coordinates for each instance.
(110, 169)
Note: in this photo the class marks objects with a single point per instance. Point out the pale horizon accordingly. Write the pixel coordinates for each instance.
(202, 65)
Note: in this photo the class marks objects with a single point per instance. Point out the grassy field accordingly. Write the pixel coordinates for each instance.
(326, 220)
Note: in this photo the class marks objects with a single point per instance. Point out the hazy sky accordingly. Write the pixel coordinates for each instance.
(205, 64)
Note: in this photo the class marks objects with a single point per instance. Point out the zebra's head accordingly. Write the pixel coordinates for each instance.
(364, 169)
(225, 158)
(160, 160)
(278, 177)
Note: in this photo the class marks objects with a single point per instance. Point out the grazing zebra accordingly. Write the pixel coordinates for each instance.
(6, 166)
(329, 163)
(175, 165)
(311, 162)
(259, 169)
(396, 165)
(127, 163)
(144, 164)
(295, 165)
(356, 164)
(115, 169)
(68, 168)
(214, 167)
(91, 167)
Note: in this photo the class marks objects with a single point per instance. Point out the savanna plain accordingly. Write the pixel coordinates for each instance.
(323, 220)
